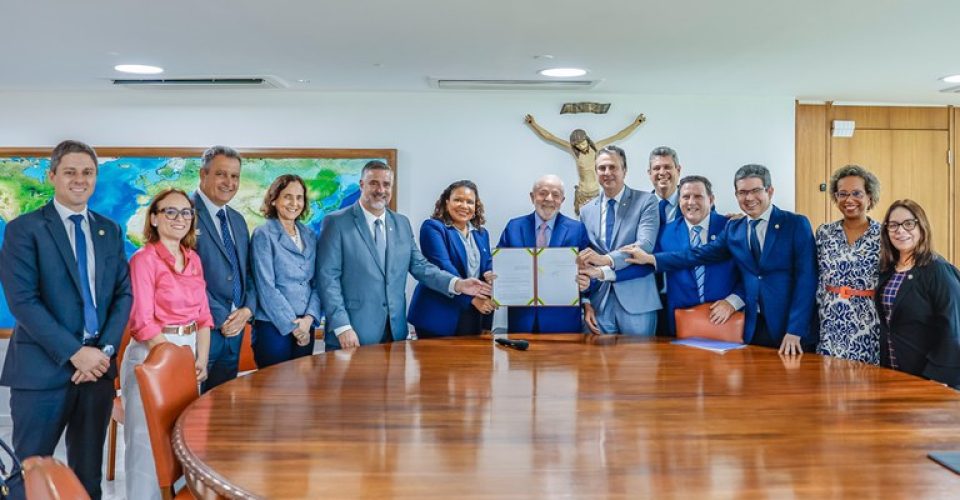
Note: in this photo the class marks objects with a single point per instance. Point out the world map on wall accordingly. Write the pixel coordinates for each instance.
(125, 187)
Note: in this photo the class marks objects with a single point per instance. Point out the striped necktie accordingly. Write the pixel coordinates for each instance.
(700, 271)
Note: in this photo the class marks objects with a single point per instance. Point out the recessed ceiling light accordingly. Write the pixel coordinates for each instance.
(140, 69)
(951, 79)
(563, 72)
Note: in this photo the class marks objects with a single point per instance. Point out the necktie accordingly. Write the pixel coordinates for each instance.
(755, 241)
(380, 241)
(90, 321)
(700, 271)
(608, 224)
(542, 235)
(232, 255)
(663, 212)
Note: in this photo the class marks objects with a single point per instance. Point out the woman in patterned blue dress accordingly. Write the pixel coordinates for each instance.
(848, 256)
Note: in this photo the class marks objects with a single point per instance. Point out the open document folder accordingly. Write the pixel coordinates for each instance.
(536, 276)
(709, 344)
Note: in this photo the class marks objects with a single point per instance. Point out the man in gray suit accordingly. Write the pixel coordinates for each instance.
(619, 216)
(364, 254)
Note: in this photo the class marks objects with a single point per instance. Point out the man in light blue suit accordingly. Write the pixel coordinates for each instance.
(620, 216)
(545, 227)
(776, 254)
(718, 283)
(223, 241)
(363, 256)
(67, 283)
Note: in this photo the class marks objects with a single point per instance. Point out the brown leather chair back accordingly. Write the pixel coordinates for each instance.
(168, 383)
(247, 362)
(124, 341)
(46, 478)
(695, 322)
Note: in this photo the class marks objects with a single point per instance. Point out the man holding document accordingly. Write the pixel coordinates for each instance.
(545, 227)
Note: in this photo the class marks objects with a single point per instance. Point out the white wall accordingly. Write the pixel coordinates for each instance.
(440, 136)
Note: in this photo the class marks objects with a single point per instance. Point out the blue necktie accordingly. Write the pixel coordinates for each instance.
(755, 241)
(232, 255)
(608, 223)
(381, 242)
(663, 212)
(90, 321)
(699, 271)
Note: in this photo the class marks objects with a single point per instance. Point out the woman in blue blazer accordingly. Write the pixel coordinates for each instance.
(284, 253)
(454, 240)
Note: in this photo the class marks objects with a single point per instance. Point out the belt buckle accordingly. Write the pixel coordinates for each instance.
(845, 292)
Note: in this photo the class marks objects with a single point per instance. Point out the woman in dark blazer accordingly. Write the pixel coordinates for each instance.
(454, 240)
(918, 298)
(284, 257)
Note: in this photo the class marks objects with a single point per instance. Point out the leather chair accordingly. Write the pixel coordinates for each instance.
(116, 415)
(168, 384)
(247, 362)
(46, 478)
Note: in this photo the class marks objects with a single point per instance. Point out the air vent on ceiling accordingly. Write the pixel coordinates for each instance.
(201, 83)
(455, 84)
(952, 90)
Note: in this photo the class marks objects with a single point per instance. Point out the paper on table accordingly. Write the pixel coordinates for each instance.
(514, 283)
(557, 275)
(709, 344)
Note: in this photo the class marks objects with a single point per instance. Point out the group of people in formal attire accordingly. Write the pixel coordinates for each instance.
(856, 288)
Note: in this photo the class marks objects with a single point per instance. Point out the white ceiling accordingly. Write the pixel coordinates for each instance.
(845, 50)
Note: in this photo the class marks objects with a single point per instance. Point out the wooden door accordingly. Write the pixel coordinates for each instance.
(910, 164)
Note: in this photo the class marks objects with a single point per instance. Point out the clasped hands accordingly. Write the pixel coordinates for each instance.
(482, 299)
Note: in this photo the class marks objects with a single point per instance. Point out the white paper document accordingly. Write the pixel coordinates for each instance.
(514, 284)
(535, 277)
(557, 277)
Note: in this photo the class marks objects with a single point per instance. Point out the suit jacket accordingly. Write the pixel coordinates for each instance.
(285, 275)
(355, 290)
(42, 285)
(522, 233)
(924, 326)
(784, 283)
(720, 279)
(216, 264)
(637, 220)
(441, 244)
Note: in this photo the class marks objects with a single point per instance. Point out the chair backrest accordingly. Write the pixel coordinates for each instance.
(46, 478)
(247, 362)
(168, 383)
(124, 341)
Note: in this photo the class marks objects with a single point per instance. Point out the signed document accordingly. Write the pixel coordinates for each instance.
(535, 277)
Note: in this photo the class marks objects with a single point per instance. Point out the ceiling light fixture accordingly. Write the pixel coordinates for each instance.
(139, 69)
(563, 72)
(951, 79)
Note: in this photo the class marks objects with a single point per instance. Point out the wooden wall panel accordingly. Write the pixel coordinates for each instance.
(893, 118)
(811, 156)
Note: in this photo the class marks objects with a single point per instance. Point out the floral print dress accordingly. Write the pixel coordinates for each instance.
(849, 326)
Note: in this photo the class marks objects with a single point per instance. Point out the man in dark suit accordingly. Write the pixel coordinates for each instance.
(545, 227)
(66, 279)
(776, 254)
(223, 243)
(718, 283)
(364, 254)
(664, 172)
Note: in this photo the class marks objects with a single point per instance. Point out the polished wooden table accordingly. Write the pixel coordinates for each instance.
(574, 416)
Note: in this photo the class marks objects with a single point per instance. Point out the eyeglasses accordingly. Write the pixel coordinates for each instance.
(747, 192)
(842, 195)
(171, 213)
(907, 225)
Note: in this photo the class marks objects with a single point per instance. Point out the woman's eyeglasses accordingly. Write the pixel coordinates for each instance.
(907, 225)
(171, 213)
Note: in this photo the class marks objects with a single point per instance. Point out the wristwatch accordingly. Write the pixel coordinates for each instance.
(108, 350)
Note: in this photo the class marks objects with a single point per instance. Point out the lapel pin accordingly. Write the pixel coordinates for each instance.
(776, 226)
(713, 237)
(101, 232)
(909, 276)
(198, 232)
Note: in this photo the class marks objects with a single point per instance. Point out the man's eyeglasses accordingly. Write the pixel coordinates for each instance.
(743, 193)
(907, 225)
(171, 213)
(842, 195)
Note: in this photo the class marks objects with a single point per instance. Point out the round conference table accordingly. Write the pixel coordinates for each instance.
(575, 416)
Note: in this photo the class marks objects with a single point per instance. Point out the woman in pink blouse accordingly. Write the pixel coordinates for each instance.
(169, 305)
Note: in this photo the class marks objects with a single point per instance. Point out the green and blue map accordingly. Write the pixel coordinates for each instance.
(125, 187)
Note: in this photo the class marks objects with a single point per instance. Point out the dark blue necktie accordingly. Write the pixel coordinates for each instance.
(232, 255)
(663, 212)
(608, 224)
(699, 272)
(90, 322)
(755, 241)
